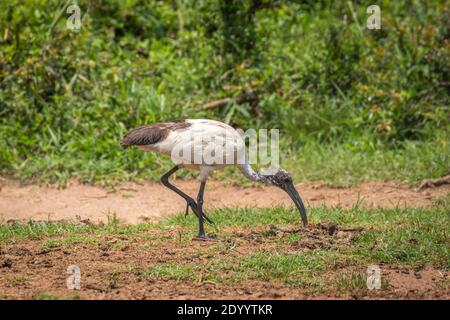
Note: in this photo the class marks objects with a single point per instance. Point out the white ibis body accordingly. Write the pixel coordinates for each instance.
(207, 145)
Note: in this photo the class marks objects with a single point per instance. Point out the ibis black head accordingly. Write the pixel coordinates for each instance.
(283, 180)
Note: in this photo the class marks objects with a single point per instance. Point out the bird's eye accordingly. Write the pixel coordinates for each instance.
(287, 180)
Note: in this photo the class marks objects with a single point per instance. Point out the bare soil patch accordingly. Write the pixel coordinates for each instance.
(133, 203)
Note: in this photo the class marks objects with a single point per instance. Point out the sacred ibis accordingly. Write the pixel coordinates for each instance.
(188, 142)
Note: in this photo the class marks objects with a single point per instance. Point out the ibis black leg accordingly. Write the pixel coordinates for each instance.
(201, 228)
(190, 202)
(200, 202)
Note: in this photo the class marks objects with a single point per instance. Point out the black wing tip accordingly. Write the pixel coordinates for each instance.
(127, 141)
(151, 134)
(124, 145)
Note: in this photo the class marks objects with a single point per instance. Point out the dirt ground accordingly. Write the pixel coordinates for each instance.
(134, 203)
(118, 272)
(116, 269)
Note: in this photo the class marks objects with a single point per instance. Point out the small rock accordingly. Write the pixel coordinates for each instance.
(330, 227)
(341, 235)
(405, 271)
(18, 251)
(7, 263)
(46, 264)
(43, 251)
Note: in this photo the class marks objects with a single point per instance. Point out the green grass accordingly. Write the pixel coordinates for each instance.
(51, 243)
(17, 278)
(339, 164)
(292, 269)
(407, 237)
(359, 160)
(355, 280)
(74, 232)
(172, 271)
(43, 295)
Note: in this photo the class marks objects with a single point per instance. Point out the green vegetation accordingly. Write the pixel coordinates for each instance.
(43, 295)
(16, 278)
(352, 104)
(173, 271)
(293, 269)
(17, 232)
(258, 244)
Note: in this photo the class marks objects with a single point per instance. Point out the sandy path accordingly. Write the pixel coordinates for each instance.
(134, 203)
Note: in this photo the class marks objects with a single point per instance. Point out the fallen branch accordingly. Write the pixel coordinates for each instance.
(356, 229)
(430, 183)
(248, 96)
(216, 104)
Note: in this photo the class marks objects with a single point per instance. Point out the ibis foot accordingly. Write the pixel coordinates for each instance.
(203, 238)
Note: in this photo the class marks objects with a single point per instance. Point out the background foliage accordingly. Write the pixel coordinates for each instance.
(344, 96)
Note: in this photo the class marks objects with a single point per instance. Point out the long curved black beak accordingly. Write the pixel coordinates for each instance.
(292, 192)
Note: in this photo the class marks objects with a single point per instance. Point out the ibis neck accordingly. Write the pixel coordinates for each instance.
(251, 173)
